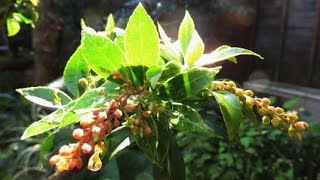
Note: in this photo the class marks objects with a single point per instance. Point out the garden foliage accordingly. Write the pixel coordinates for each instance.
(137, 86)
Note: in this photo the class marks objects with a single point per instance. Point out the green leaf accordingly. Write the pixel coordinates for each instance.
(186, 31)
(34, 2)
(119, 40)
(231, 111)
(153, 75)
(75, 69)
(45, 96)
(110, 25)
(195, 49)
(170, 70)
(184, 118)
(21, 18)
(141, 39)
(115, 142)
(187, 84)
(222, 53)
(102, 55)
(47, 123)
(215, 122)
(13, 26)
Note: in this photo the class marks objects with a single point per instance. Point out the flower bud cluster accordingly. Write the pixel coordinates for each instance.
(276, 116)
(93, 130)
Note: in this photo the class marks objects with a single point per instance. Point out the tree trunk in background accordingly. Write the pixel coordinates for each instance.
(55, 37)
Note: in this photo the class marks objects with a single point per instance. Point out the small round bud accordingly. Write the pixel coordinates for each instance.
(86, 148)
(262, 112)
(147, 132)
(249, 101)
(102, 116)
(96, 129)
(271, 109)
(279, 110)
(291, 131)
(301, 126)
(116, 75)
(117, 113)
(266, 120)
(79, 163)
(145, 114)
(77, 133)
(82, 84)
(137, 122)
(140, 89)
(54, 159)
(231, 84)
(249, 93)
(116, 123)
(86, 122)
(96, 112)
(65, 150)
(275, 122)
(239, 92)
(265, 101)
(293, 116)
(131, 108)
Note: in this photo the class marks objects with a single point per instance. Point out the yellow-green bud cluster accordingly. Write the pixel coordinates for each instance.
(276, 116)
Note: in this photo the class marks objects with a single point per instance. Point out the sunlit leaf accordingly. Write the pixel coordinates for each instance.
(110, 24)
(195, 49)
(13, 26)
(102, 55)
(231, 110)
(141, 39)
(45, 96)
(75, 69)
(185, 34)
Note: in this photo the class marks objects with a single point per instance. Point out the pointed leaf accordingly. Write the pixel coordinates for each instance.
(195, 49)
(110, 25)
(231, 110)
(75, 69)
(101, 54)
(13, 26)
(153, 75)
(222, 53)
(187, 84)
(45, 96)
(186, 31)
(141, 39)
(185, 118)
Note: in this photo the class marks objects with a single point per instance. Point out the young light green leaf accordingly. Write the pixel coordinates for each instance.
(110, 25)
(13, 26)
(187, 84)
(222, 53)
(119, 40)
(195, 49)
(141, 39)
(170, 70)
(75, 69)
(102, 55)
(45, 96)
(231, 111)
(186, 31)
(34, 2)
(163, 35)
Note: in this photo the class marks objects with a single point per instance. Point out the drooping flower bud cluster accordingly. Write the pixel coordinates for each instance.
(93, 130)
(276, 116)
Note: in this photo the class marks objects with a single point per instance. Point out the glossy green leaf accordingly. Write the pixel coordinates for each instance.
(195, 49)
(115, 142)
(153, 74)
(34, 2)
(45, 96)
(186, 31)
(167, 50)
(187, 84)
(231, 111)
(185, 118)
(13, 26)
(102, 55)
(75, 69)
(141, 39)
(119, 40)
(47, 123)
(214, 122)
(222, 53)
(170, 70)
(110, 25)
